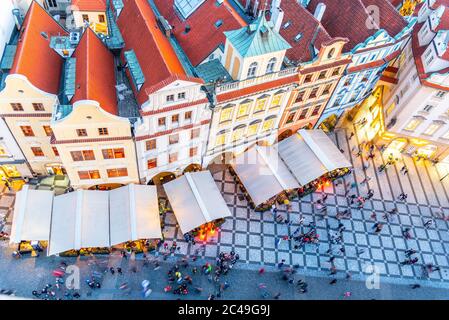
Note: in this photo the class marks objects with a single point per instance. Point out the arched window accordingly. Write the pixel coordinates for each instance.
(271, 64)
(252, 70)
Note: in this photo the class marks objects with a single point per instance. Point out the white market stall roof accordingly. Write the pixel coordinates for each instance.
(309, 154)
(80, 220)
(32, 215)
(134, 213)
(92, 219)
(263, 173)
(195, 200)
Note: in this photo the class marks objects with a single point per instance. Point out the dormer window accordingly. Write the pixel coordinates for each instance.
(271, 64)
(252, 70)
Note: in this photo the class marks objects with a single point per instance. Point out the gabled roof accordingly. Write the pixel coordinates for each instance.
(90, 5)
(257, 39)
(348, 19)
(155, 55)
(204, 35)
(34, 58)
(95, 77)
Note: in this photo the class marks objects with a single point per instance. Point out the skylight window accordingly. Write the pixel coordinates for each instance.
(298, 37)
(218, 23)
(187, 7)
(287, 24)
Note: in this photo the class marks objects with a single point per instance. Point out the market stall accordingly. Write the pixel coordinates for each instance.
(31, 220)
(134, 216)
(263, 177)
(196, 201)
(80, 223)
(313, 158)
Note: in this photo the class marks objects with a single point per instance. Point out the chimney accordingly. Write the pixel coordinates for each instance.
(277, 15)
(319, 11)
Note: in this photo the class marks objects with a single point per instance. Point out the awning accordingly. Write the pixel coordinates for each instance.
(80, 220)
(32, 215)
(263, 173)
(195, 200)
(134, 212)
(309, 154)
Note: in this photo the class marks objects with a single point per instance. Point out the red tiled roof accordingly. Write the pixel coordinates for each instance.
(157, 58)
(90, 5)
(347, 19)
(302, 21)
(236, 94)
(204, 37)
(418, 51)
(95, 77)
(34, 58)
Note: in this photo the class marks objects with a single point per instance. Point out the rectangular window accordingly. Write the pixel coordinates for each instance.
(27, 131)
(308, 78)
(48, 131)
(268, 125)
(432, 129)
(303, 114)
(428, 108)
(327, 89)
(260, 105)
(195, 133)
(120, 172)
(175, 119)
(117, 153)
(314, 92)
(276, 102)
(243, 110)
(181, 96)
(161, 122)
(37, 151)
(290, 117)
(413, 124)
(300, 96)
(152, 163)
(316, 111)
(173, 139)
(226, 114)
(103, 131)
(440, 94)
(16, 106)
(173, 157)
(150, 144)
(253, 129)
(170, 98)
(89, 175)
(55, 151)
(85, 155)
(81, 132)
(322, 75)
(336, 72)
(85, 17)
(193, 151)
(237, 134)
(38, 107)
(188, 116)
(220, 140)
(101, 18)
